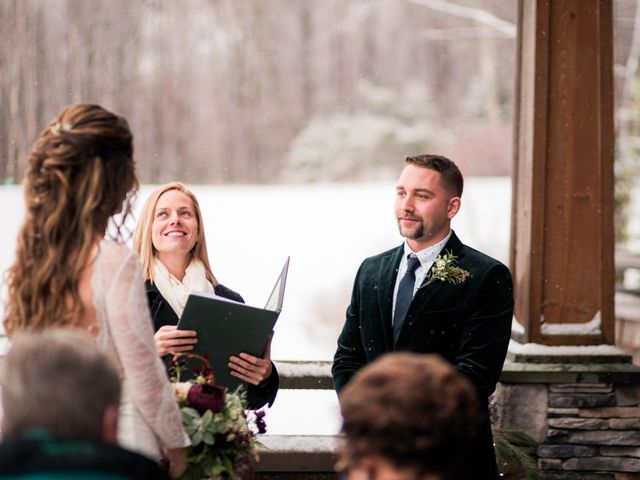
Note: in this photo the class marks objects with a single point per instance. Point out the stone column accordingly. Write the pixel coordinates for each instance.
(584, 416)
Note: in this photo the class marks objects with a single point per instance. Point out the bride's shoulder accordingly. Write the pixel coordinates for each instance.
(116, 252)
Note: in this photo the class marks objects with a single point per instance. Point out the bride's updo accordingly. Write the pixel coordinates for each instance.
(80, 172)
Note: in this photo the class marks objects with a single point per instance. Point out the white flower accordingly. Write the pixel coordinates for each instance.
(181, 389)
(446, 270)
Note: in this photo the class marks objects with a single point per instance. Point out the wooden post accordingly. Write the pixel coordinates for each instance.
(562, 227)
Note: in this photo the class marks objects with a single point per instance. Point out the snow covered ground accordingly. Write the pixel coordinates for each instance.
(326, 229)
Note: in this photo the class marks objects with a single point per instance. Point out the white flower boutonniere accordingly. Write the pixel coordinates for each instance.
(445, 269)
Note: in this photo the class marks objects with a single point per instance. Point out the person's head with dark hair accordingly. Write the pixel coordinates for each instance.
(407, 416)
(59, 381)
(450, 174)
(427, 198)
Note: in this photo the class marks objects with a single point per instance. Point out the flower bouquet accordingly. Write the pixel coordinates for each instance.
(223, 444)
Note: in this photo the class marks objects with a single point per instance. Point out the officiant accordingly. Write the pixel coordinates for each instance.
(171, 243)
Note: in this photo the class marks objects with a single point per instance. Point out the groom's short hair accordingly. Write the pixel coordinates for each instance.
(452, 179)
(414, 410)
(59, 381)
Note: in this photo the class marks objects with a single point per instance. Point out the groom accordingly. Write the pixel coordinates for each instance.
(432, 294)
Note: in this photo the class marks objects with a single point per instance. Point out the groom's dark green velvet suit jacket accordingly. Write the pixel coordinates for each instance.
(467, 324)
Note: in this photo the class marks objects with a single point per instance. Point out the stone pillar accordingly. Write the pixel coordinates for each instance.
(562, 223)
(584, 416)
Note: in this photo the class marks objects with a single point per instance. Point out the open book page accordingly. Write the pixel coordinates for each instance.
(274, 302)
(214, 296)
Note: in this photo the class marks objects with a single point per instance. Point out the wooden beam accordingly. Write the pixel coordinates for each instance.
(562, 237)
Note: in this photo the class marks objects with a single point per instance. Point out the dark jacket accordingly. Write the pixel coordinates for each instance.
(467, 324)
(162, 314)
(46, 458)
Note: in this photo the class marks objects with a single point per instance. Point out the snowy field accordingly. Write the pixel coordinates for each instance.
(327, 230)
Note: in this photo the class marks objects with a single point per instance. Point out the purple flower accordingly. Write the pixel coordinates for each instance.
(260, 423)
(205, 397)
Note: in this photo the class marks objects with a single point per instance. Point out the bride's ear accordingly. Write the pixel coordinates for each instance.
(110, 425)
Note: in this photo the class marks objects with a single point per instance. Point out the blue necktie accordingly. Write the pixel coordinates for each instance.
(405, 295)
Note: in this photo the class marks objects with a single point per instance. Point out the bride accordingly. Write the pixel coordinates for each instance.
(81, 171)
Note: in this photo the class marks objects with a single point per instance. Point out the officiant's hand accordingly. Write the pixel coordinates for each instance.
(171, 340)
(253, 370)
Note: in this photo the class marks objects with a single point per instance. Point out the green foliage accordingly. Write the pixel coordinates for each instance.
(510, 455)
(198, 427)
(218, 440)
(445, 269)
(223, 442)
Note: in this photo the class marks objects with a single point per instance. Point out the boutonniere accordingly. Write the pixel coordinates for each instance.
(445, 269)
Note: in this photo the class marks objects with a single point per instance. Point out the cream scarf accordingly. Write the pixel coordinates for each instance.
(176, 292)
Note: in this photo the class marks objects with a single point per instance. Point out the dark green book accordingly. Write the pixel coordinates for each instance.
(227, 328)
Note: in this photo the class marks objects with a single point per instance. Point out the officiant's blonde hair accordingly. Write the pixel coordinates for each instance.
(143, 241)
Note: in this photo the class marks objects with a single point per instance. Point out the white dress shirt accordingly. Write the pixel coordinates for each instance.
(426, 257)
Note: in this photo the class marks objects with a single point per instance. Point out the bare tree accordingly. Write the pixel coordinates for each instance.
(219, 90)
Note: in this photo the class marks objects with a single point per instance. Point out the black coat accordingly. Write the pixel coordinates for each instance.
(467, 324)
(41, 456)
(162, 314)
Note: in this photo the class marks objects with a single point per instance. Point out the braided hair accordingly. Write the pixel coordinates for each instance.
(80, 173)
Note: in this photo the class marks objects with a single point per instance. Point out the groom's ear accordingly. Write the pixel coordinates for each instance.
(453, 207)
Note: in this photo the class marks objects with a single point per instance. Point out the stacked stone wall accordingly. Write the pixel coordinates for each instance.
(585, 431)
(592, 428)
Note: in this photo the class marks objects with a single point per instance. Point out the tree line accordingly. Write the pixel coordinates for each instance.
(226, 90)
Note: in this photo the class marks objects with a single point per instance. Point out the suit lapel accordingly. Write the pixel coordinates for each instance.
(386, 284)
(427, 292)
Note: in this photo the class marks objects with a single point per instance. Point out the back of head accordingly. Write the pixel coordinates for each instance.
(57, 380)
(143, 241)
(452, 179)
(80, 171)
(415, 411)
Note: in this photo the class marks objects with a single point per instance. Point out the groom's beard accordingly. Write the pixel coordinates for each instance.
(412, 233)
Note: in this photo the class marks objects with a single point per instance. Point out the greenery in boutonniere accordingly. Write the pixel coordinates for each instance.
(445, 269)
